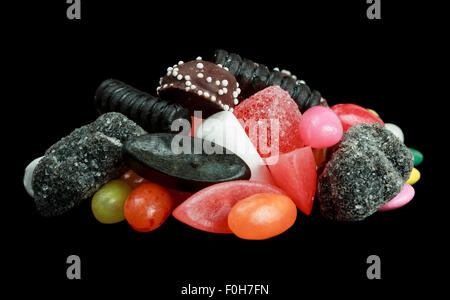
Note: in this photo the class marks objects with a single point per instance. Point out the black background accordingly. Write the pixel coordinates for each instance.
(332, 46)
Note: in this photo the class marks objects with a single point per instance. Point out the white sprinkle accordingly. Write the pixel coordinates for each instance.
(219, 65)
(235, 94)
(237, 84)
(236, 101)
(187, 77)
(176, 69)
(300, 82)
(199, 66)
(276, 69)
(294, 77)
(225, 90)
(175, 74)
(158, 88)
(226, 69)
(171, 84)
(166, 85)
(160, 80)
(180, 62)
(188, 83)
(238, 90)
(208, 79)
(231, 109)
(213, 98)
(220, 92)
(218, 82)
(200, 75)
(199, 58)
(169, 69)
(286, 72)
(225, 82)
(226, 107)
(175, 66)
(193, 87)
(206, 94)
(187, 89)
(179, 77)
(200, 92)
(220, 101)
(169, 73)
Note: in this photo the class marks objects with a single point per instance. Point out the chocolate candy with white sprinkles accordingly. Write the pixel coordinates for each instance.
(150, 112)
(254, 77)
(200, 86)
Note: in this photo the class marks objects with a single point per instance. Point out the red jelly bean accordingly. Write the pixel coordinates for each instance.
(262, 216)
(352, 114)
(148, 206)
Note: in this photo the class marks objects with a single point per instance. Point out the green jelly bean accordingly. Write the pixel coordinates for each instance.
(418, 157)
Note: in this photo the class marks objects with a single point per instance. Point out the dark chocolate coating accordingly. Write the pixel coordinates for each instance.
(150, 112)
(253, 77)
(201, 86)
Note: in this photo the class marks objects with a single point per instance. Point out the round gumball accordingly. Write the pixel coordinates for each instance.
(320, 127)
(107, 203)
(148, 206)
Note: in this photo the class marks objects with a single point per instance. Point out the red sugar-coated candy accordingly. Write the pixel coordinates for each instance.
(352, 114)
(208, 209)
(256, 113)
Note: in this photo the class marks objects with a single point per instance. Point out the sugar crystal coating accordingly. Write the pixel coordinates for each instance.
(79, 164)
(367, 169)
(258, 113)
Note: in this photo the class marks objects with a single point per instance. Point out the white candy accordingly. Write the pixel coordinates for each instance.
(225, 130)
(28, 176)
(397, 131)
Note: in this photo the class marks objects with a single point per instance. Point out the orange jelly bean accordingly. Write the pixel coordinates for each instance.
(262, 216)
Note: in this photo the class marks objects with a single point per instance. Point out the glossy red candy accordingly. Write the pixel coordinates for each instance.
(352, 114)
(148, 206)
(134, 180)
(295, 172)
(208, 209)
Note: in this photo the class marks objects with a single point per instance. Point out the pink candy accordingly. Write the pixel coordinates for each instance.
(405, 195)
(320, 127)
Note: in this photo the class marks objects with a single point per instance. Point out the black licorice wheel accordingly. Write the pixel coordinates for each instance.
(150, 112)
(253, 77)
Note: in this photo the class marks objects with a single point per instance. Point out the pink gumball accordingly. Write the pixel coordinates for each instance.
(320, 127)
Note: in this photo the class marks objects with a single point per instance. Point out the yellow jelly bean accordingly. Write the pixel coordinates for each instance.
(374, 112)
(414, 177)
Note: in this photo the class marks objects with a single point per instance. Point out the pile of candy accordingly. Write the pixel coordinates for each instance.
(227, 146)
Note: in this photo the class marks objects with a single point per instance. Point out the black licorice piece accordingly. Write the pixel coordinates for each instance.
(150, 112)
(154, 157)
(253, 77)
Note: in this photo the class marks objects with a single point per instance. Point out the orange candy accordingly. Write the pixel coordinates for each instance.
(262, 216)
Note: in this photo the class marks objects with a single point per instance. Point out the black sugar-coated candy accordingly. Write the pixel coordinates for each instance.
(150, 112)
(253, 77)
